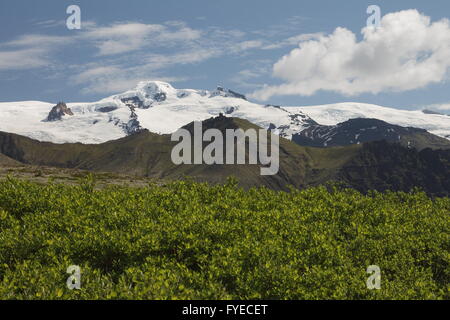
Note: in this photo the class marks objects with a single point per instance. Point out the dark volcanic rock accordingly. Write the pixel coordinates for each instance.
(59, 111)
(133, 126)
(107, 109)
(160, 97)
(134, 102)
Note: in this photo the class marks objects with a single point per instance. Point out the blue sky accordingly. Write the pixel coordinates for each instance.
(237, 44)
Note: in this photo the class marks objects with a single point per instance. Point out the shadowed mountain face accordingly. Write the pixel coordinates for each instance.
(361, 130)
(375, 165)
(383, 166)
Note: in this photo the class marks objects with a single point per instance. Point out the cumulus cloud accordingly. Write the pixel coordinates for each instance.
(407, 52)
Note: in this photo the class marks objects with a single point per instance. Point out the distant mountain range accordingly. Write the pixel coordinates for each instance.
(362, 146)
(360, 130)
(160, 108)
(369, 166)
(333, 114)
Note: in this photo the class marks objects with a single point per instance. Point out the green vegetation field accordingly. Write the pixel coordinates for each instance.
(186, 240)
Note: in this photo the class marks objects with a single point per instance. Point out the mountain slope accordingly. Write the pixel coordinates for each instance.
(332, 114)
(383, 166)
(149, 154)
(356, 131)
(375, 165)
(7, 161)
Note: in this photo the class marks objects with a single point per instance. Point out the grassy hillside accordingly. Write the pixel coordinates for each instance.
(187, 240)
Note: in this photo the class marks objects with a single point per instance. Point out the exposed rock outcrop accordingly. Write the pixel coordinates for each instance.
(59, 111)
(220, 91)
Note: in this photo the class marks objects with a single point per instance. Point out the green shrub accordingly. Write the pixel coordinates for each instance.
(189, 240)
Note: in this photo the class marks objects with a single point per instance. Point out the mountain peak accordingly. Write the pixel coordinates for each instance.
(153, 85)
(59, 111)
(221, 91)
(146, 93)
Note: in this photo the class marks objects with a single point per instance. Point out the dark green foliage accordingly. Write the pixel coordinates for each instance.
(189, 240)
(384, 166)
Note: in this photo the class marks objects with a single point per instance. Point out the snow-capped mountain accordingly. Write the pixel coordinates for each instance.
(361, 130)
(332, 114)
(152, 105)
(161, 108)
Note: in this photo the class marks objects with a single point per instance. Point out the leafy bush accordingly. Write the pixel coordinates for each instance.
(189, 240)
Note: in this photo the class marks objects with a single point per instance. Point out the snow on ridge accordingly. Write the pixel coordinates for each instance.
(332, 114)
(153, 105)
(161, 108)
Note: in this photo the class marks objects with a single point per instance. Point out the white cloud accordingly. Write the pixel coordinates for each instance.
(129, 51)
(50, 23)
(23, 59)
(111, 85)
(95, 73)
(35, 50)
(124, 45)
(29, 51)
(104, 79)
(115, 73)
(38, 40)
(295, 40)
(439, 106)
(244, 78)
(121, 82)
(120, 38)
(406, 53)
(246, 45)
(254, 70)
(286, 27)
(126, 37)
(195, 55)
